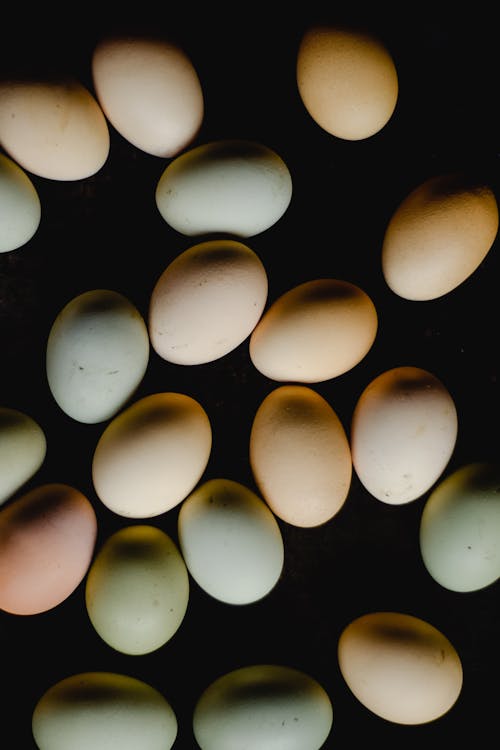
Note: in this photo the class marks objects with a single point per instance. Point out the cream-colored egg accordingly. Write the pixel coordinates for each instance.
(103, 710)
(207, 302)
(300, 456)
(230, 186)
(263, 707)
(347, 81)
(150, 91)
(23, 447)
(230, 541)
(152, 454)
(400, 667)
(20, 207)
(315, 331)
(97, 354)
(54, 130)
(403, 433)
(438, 236)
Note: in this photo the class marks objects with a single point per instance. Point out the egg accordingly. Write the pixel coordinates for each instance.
(150, 92)
(347, 81)
(263, 707)
(207, 302)
(47, 540)
(53, 129)
(96, 355)
(400, 667)
(460, 529)
(438, 236)
(300, 456)
(23, 447)
(234, 187)
(230, 541)
(20, 207)
(103, 710)
(313, 332)
(137, 590)
(151, 455)
(403, 433)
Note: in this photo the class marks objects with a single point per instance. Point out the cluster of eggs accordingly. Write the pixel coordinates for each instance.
(152, 454)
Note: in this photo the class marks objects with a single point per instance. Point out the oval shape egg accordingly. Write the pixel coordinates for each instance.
(47, 540)
(151, 455)
(97, 354)
(438, 236)
(230, 186)
(262, 707)
(400, 667)
(300, 456)
(315, 331)
(20, 207)
(23, 447)
(403, 433)
(100, 710)
(207, 302)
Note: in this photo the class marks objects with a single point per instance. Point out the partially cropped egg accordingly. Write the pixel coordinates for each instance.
(20, 207)
(23, 447)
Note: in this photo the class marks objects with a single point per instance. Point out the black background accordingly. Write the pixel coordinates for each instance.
(106, 232)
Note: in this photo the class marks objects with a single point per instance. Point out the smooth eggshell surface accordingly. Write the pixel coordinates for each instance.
(47, 540)
(20, 207)
(206, 302)
(151, 455)
(230, 541)
(103, 710)
(263, 707)
(23, 447)
(438, 236)
(149, 91)
(233, 186)
(403, 433)
(315, 331)
(400, 667)
(300, 456)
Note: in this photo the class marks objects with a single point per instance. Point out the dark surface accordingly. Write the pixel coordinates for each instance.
(106, 232)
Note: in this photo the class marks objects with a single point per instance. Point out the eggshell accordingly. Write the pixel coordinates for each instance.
(300, 456)
(315, 331)
(20, 207)
(233, 186)
(231, 542)
(103, 710)
(400, 667)
(23, 447)
(438, 236)
(151, 455)
(460, 529)
(53, 129)
(263, 707)
(137, 590)
(403, 433)
(97, 354)
(47, 540)
(149, 90)
(207, 302)
(347, 81)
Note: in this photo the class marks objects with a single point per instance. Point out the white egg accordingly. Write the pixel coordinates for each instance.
(23, 447)
(20, 208)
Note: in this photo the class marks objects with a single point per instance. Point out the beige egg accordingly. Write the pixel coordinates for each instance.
(400, 667)
(403, 433)
(300, 456)
(315, 331)
(23, 447)
(438, 236)
(151, 455)
(347, 81)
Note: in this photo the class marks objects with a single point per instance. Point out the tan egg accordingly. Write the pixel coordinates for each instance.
(347, 81)
(438, 236)
(300, 456)
(55, 130)
(400, 667)
(149, 90)
(151, 455)
(315, 331)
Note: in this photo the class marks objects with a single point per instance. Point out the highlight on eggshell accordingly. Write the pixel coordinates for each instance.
(20, 207)
(23, 447)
